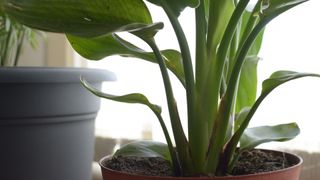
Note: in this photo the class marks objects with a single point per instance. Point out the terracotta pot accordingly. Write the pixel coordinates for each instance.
(291, 173)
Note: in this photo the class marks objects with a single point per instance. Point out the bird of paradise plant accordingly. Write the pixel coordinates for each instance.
(220, 89)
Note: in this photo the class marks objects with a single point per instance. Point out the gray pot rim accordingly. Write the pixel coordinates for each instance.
(53, 75)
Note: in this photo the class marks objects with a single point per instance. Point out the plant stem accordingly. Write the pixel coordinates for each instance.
(193, 124)
(174, 158)
(201, 53)
(200, 142)
(215, 78)
(219, 14)
(232, 144)
(20, 44)
(180, 138)
(231, 90)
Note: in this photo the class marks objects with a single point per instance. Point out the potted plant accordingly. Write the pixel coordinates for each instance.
(46, 115)
(228, 38)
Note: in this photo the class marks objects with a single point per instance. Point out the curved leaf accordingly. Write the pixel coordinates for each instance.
(253, 137)
(280, 77)
(135, 98)
(276, 79)
(149, 149)
(104, 46)
(274, 7)
(79, 17)
(147, 32)
(177, 5)
(145, 149)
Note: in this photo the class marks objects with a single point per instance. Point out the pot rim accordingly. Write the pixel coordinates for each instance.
(216, 177)
(53, 75)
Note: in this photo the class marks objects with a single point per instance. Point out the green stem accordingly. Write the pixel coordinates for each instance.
(232, 144)
(233, 51)
(175, 160)
(215, 78)
(251, 23)
(20, 44)
(231, 90)
(180, 138)
(201, 53)
(188, 70)
(199, 141)
(212, 22)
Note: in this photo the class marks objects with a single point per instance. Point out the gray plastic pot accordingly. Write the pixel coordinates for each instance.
(47, 123)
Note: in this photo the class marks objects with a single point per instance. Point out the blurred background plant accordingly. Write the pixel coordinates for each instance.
(12, 37)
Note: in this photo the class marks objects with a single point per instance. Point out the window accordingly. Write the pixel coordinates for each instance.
(291, 43)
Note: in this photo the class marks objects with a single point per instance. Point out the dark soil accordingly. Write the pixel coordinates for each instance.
(140, 165)
(257, 161)
(250, 162)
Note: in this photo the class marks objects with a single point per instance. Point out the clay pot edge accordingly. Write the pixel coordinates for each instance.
(209, 178)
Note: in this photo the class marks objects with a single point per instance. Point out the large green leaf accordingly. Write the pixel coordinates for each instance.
(253, 137)
(177, 5)
(145, 149)
(79, 17)
(104, 46)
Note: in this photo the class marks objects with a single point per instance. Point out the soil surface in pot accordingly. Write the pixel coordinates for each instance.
(250, 162)
(140, 165)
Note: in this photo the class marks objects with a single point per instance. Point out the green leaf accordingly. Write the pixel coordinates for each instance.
(247, 25)
(104, 46)
(280, 77)
(219, 15)
(177, 6)
(145, 149)
(247, 90)
(271, 8)
(148, 32)
(276, 79)
(135, 98)
(79, 17)
(264, 12)
(253, 137)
